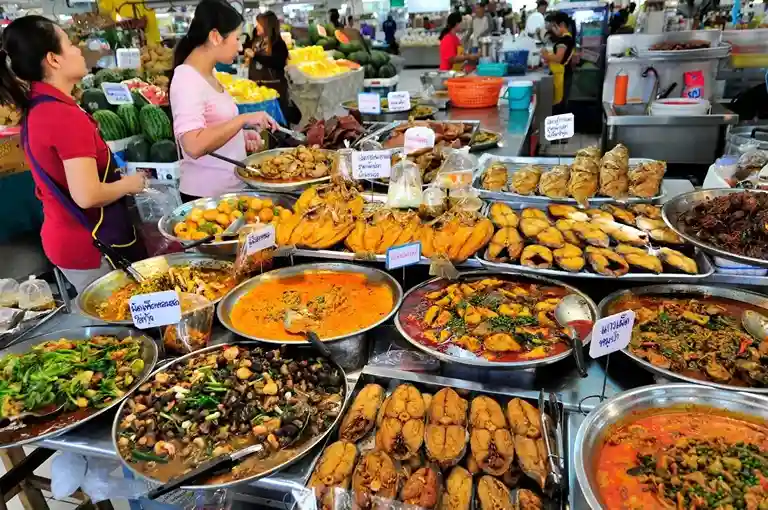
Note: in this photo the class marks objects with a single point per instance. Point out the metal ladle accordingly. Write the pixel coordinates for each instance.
(573, 313)
(756, 324)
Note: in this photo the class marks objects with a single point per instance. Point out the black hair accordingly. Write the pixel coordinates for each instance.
(25, 44)
(209, 15)
(454, 19)
(559, 17)
(271, 28)
(334, 16)
(541, 3)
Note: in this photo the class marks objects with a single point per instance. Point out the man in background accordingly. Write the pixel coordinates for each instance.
(390, 27)
(535, 24)
(481, 24)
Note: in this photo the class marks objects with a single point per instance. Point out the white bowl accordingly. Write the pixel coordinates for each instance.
(726, 266)
(680, 107)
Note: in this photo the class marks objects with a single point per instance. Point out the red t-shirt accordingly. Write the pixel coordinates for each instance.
(58, 131)
(449, 48)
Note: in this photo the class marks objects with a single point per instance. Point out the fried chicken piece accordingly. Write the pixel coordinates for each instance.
(606, 262)
(448, 408)
(679, 261)
(531, 457)
(375, 475)
(570, 257)
(531, 227)
(458, 490)
(445, 444)
(333, 470)
(591, 234)
(619, 213)
(502, 215)
(362, 413)
(506, 244)
(539, 257)
(493, 495)
(645, 179)
(501, 342)
(554, 183)
(640, 258)
(401, 432)
(551, 238)
(421, 488)
(525, 180)
(495, 177)
(523, 418)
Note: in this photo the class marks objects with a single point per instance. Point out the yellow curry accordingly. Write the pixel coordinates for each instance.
(336, 304)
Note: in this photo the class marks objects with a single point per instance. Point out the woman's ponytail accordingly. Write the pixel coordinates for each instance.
(12, 91)
(454, 19)
(209, 15)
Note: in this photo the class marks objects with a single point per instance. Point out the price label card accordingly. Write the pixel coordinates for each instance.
(117, 93)
(418, 138)
(260, 240)
(368, 102)
(558, 127)
(399, 101)
(128, 58)
(403, 255)
(371, 165)
(155, 309)
(611, 333)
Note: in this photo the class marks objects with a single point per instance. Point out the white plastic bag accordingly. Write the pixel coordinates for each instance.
(70, 471)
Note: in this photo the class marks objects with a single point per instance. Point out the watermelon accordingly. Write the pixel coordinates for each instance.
(328, 44)
(360, 57)
(129, 114)
(107, 76)
(348, 48)
(330, 29)
(138, 99)
(387, 71)
(110, 125)
(155, 124)
(379, 58)
(137, 151)
(163, 151)
(370, 71)
(337, 55)
(93, 100)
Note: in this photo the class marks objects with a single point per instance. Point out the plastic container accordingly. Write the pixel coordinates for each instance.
(193, 331)
(620, 86)
(35, 294)
(725, 266)
(474, 91)
(9, 292)
(680, 107)
(271, 106)
(519, 94)
(405, 186)
(491, 69)
(517, 61)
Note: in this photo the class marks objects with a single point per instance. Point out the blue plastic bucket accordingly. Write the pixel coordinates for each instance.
(519, 94)
(517, 61)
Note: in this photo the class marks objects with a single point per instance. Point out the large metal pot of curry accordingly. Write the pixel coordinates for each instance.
(675, 446)
(338, 301)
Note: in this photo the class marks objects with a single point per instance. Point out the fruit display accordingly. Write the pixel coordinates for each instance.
(111, 126)
(245, 91)
(313, 62)
(155, 124)
(156, 59)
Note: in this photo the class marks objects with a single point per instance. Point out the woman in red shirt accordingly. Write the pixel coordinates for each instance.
(82, 193)
(450, 45)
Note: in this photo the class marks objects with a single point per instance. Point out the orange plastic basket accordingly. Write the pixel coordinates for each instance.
(474, 91)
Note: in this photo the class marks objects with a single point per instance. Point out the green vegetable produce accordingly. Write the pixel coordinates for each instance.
(138, 151)
(163, 151)
(360, 57)
(94, 100)
(110, 125)
(387, 71)
(129, 114)
(129, 74)
(155, 124)
(107, 76)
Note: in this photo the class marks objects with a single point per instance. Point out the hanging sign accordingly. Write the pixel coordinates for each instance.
(403, 255)
(368, 102)
(611, 333)
(117, 93)
(260, 240)
(371, 165)
(155, 309)
(558, 127)
(418, 138)
(399, 101)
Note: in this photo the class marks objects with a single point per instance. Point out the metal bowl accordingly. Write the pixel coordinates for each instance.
(148, 354)
(437, 78)
(684, 291)
(278, 186)
(589, 439)
(303, 449)
(482, 362)
(216, 248)
(100, 290)
(680, 204)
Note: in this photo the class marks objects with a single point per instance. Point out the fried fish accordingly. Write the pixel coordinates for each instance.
(524, 419)
(526, 179)
(361, 415)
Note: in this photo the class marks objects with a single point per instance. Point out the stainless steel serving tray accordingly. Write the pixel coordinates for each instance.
(591, 434)
(148, 355)
(277, 186)
(219, 248)
(676, 206)
(515, 163)
(683, 292)
(383, 133)
(373, 274)
(716, 51)
(100, 290)
(483, 146)
(349, 256)
(305, 448)
(478, 361)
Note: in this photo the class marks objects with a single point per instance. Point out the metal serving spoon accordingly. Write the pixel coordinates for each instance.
(230, 231)
(300, 324)
(573, 314)
(46, 412)
(235, 162)
(756, 324)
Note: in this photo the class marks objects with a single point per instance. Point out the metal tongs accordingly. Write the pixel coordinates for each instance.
(551, 424)
(119, 261)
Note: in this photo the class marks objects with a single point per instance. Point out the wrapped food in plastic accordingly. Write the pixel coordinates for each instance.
(193, 331)
(247, 264)
(457, 169)
(465, 198)
(433, 202)
(405, 186)
(9, 292)
(35, 294)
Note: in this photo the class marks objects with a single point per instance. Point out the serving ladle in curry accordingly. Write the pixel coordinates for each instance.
(756, 324)
(573, 314)
(299, 323)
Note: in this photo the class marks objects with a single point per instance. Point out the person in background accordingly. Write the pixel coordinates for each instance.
(335, 18)
(428, 25)
(632, 15)
(83, 194)
(390, 27)
(451, 52)
(560, 26)
(205, 117)
(481, 25)
(535, 24)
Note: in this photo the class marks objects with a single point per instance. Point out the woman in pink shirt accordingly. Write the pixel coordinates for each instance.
(205, 117)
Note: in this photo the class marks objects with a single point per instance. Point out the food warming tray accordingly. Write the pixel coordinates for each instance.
(273, 185)
(383, 133)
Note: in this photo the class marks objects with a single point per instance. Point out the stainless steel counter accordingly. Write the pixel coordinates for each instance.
(719, 116)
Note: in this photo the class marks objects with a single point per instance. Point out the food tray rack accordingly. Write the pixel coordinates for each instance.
(515, 163)
(383, 133)
(705, 265)
(389, 378)
(716, 51)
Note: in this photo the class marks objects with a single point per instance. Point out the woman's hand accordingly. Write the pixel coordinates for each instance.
(253, 141)
(249, 53)
(134, 183)
(259, 120)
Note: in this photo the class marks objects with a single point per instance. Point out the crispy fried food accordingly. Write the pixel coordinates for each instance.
(495, 177)
(622, 233)
(645, 179)
(298, 163)
(456, 235)
(599, 213)
(375, 475)
(402, 428)
(554, 183)
(618, 156)
(570, 257)
(591, 234)
(502, 215)
(536, 256)
(532, 212)
(485, 413)
(582, 186)
(493, 495)
(648, 224)
(458, 490)
(619, 213)
(531, 227)
(648, 210)
(525, 499)
(448, 408)
(490, 440)
(525, 180)
(333, 470)
(562, 211)
(362, 413)
(506, 244)
(640, 258)
(679, 261)
(532, 457)
(421, 488)
(592, 152)
(551, 238)
(523, 418)
(614, 181)
(666, 235)
(381, 230)
(446, 434)
(606, 262)
(566, 227)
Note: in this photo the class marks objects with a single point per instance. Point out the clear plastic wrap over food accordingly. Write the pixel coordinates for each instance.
(193, 331)
(9, 292)
(457, 169)
(152, 204)
(433, 202)
(465, 198)
(257, 261)
(35, 294)
(752, 160)
(411, 361)
(404, 186)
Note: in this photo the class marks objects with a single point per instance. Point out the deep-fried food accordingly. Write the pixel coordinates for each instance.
(458, 490)
(679, 261)
(539, 257)
(456, 235)
(525, 180)
(619, 213)
(606, 262)
(645, 179)
(381, 230)
(490, 440)
(506, 244)
(448, 408)
(532, 458)
(298, 163)
(531, 227)
(523, 418)
(525, 499)
(446, 434)
(640, 258)
(564, 211)
(566, 227)
(402, 428)
(421, 488)
(493, 495)
(622, 233)
(532, 212)
(550, 237)
(375, 475)
(361, 415)
(554, 183)
(502, 215)
(333, 470)
(591, 234)
(592, 152)
(648, 210)
(495, 177)
(569, 257)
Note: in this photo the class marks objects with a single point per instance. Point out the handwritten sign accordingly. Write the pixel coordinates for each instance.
(558, 127)
(368, 102)
(399, 101)
(403, 255)
(260, 240)
(371, 165)
(418, 138)
(155, 309)
(117, 93)
(611, 333)
(128, 58)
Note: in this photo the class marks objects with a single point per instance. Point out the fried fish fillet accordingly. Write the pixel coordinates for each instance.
(333, 470)
(401, 432)
(526, 179)
(493, 495)
(458, 490)
(524, 419)
(375, 475)
(421, 488)
(531, 457)
(361, 415)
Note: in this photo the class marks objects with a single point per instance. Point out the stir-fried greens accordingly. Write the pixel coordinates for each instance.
(76, 373)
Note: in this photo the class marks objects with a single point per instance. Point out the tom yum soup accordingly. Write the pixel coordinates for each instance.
(330, 303)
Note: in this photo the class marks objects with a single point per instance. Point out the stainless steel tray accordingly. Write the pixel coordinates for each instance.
(101, 289)
(381, 259)
(676, 206)
(148, 355)
(713, 52)
(304, 448)
(482, 362)
(682, 292)
(382, 134)
(477, 147)
(277, 186)
(515, 163)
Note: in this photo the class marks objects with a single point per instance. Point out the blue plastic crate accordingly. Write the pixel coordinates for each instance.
(272, 107)
(517, 61)
(494, 69)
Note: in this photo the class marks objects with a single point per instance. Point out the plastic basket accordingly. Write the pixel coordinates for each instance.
(492, 69)
(517, 61)
(474, 92)
(272, 107)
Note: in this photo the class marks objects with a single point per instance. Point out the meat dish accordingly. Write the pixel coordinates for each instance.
(361, 415)
(292, 165)
(680, 45)
(332, 133)
(447, 134)
(333, 470)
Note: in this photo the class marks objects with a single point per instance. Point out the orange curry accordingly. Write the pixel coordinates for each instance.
(336, 303)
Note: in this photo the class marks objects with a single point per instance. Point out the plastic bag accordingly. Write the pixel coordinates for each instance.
(152, 204)
(434, 202)
(257, 261)
(405, 185)
(457, 169)
(411, 361)
(67, 474)
(70, 471)
(193, 331)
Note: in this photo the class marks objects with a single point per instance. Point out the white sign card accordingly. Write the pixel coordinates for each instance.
(155, 309)
(260, 240)
(371, 165)
(558, 127)
(399, 101)
(403, 255)
(418, 138)
(611, 333)
(369, 102)
(117, 93)
(128, 58)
